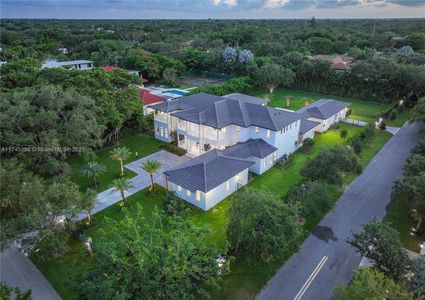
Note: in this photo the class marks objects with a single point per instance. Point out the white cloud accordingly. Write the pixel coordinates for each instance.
(275, 3)
(230, 3)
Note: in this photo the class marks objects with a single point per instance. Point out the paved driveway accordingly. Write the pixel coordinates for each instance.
(325, 257)
(141, 180)
(18, 271)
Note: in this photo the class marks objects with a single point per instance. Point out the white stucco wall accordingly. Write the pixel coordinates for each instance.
(286, 140)
(214, 196)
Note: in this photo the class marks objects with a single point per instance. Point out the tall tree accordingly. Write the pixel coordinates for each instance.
(380, 243)
(34, 213)
(49, 124)
(122, 185)
(93, 169)
(262, 226)
(417, 114)
(152, 167)
(418, 279)
(155, 258)
(120, 154)
(273, 76)
(372, 284)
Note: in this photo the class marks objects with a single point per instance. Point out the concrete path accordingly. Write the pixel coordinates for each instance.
(18, 271)
(325, 258)
(140, 181)
(392, 130)
(354, 122)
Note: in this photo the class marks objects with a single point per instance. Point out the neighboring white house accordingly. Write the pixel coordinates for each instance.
(324, 111)
(71, 65)
(231, 135)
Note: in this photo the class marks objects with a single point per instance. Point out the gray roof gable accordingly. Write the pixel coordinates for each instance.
(307, 125)
(218, 112)
(251, 148)
(323, 108)
(207, 171)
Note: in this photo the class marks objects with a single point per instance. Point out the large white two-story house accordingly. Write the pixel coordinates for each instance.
(228, 136)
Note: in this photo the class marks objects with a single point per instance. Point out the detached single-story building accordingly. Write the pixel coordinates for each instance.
(209, 178)
(324, 111)
(71, 65)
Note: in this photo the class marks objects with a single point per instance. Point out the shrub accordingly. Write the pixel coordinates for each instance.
(174, 149)
(174, 206)
(307, 144)
(357, 146)
(335, 126)
(283, 162)
(343, 133)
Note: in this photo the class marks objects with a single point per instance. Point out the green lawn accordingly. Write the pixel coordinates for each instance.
(399, 216)
(401, 118)
(144, 145)
(364, 109)
(246, 279)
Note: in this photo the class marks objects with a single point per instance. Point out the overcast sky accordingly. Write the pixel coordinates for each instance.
(219, 9)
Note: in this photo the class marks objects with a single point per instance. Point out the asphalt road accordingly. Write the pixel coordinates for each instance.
(18, 271)
(325, 258)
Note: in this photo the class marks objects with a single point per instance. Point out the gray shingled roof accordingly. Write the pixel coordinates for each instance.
(252, 147)
(322, 109)
(218, 112)
(307, 125)
(207, 171)
(246, 98)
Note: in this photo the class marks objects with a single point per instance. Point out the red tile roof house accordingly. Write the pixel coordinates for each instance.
(147, 99)
(340, 63)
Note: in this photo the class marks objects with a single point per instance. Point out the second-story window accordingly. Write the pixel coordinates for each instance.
(238, 129)
(268, 133)
(188, 193)
(198, 195)
(227, 185)
(256, 130)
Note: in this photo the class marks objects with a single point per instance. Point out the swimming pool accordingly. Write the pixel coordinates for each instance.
(177, 92)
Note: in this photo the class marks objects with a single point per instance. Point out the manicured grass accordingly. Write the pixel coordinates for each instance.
(366, 109)
(399, 121)
(398, 215)
(246, 279)
(144, 145)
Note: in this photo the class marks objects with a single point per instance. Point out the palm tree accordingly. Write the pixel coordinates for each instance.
(288, 100)
(151, 166)
(93, 169)
(122, 185)
(88, 200)
(120, 154)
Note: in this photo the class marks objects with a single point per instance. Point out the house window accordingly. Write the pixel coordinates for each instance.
(223, 129)
(161, 130)
(198, 195)
(227, 185)
(238, 129)
(188, 193)
(256, 130)
(290, 125)
(179, 188)
(296, 123)
(166, 132)
(281, 131)
(268, 133)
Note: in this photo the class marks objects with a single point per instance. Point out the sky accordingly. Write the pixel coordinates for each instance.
(216, 9)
